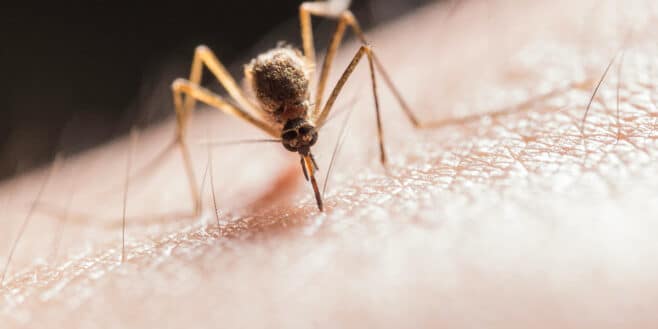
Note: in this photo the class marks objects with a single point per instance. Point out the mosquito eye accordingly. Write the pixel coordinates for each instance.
(290, 134)
(314, 139)
(304, 130)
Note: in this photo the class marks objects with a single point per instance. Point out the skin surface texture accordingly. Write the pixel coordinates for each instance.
(510, 214)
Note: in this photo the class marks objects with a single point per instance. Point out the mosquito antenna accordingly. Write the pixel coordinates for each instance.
(28, 216)
(134, 135)
(337, 147)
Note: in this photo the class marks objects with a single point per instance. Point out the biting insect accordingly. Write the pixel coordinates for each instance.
(283, 106)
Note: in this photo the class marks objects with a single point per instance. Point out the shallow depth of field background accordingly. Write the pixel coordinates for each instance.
(76, 75)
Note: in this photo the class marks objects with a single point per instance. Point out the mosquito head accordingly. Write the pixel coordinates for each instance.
(298, 135)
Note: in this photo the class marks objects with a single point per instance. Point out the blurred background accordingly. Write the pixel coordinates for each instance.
(76, 75)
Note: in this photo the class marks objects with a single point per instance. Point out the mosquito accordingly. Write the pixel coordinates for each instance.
(283, 106)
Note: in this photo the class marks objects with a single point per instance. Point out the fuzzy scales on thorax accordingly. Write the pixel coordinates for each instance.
(279, 78)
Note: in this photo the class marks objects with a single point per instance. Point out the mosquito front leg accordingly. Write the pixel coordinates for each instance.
(196, 92)
(322, 116)
(323, 9)
(203, 56)
(332, 8)
(193, 90)
(345, 19)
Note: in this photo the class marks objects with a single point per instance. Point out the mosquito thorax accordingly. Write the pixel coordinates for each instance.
(280, 79)
(298, 135)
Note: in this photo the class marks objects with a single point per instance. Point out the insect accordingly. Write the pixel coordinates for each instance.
(284, 107)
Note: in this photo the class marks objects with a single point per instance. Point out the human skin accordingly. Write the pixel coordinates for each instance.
(507, 215)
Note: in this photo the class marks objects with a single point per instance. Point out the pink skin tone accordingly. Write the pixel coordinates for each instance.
(515, 219)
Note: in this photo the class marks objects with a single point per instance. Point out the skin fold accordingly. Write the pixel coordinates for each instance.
(510, 214)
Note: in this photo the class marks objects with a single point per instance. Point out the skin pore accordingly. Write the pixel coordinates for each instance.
(511, 214)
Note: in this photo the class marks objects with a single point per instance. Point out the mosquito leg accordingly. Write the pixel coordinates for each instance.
(306, 29)
(306, 9)
(204, 57)
(345, 19)
(190, 89)
(398, 96)
(191, 178)
(196, 92)
(322, 116)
